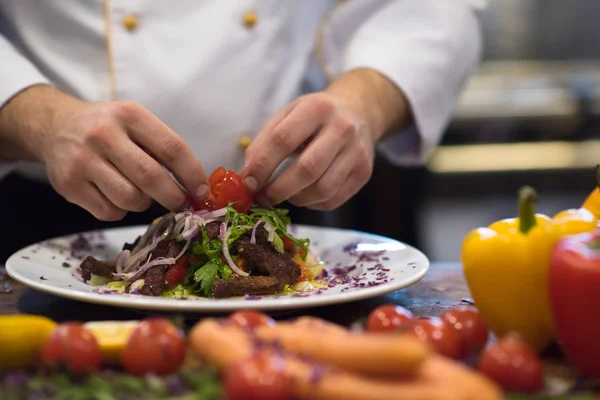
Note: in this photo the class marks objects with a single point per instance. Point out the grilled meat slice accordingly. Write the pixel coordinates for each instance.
(154, 282)
(167, 248)
(90, 266)
(211, 229)
(268, 261)
(243, 285)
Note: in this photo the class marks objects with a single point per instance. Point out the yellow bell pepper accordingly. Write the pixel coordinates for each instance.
(506, 267)
(592, 202)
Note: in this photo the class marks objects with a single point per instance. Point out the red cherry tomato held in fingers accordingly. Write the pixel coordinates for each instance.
(470, 326)
(155, 346)
(250, 319)
(261, 377)
(388, 318)
(177, 273)
(441, 337)
(73, 346)
(513, 365)
(225, 187)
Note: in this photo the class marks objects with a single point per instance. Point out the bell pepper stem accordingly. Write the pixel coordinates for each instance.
(527, 200)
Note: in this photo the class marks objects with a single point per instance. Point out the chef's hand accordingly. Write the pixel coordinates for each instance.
(106, 157)
(333, 133)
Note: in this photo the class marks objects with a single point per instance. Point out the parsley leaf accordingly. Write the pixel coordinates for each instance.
(206, 275)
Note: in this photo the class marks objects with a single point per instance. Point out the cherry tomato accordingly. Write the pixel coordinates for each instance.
(513, 365)
(261, 377)
(177, 273)
(73, 346)
(388, 318)
(441, 337)
(225, 187)
(250, 319)
(155, 346)
(470, 326)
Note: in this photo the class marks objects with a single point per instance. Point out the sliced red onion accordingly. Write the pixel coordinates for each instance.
(224, 233)
(121, 260)
(135, 275)
(212, 214)
(271, 231)
(131, 263)
(253, 236)
(191, 231)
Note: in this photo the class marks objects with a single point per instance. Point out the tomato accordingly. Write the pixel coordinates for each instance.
(261, 377)
(288, 245)
(388, 318)
(513, 365)
(440, 336)
(177, 273)
(155, 346)
(250, 319)
(225, 187)
(73, 346)
(470, 327)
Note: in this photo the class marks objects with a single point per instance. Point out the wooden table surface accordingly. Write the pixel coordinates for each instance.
(443, 287)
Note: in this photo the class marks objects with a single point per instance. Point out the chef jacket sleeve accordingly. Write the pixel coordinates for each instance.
(16, 74)
(428, 48)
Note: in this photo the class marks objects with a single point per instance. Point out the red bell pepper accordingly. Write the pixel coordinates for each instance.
(575, 299)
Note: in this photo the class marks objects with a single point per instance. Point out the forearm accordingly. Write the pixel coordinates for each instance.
(27, 118)
(376, 100)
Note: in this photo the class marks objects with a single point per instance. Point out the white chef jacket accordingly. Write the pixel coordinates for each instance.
(215, 70)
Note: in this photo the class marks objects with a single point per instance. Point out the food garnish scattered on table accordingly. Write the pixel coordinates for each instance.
(221, 248)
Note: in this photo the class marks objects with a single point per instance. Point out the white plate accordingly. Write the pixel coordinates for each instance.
(359, 266)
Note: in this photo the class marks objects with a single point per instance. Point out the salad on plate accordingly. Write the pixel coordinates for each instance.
(220, 248)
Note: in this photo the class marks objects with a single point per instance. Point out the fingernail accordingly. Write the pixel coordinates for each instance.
(202, 191)
(251, 183)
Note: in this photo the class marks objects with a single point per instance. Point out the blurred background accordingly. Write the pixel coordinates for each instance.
(529, 116)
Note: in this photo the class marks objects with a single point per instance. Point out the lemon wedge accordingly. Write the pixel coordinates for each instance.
(22, 338)
(112, 336)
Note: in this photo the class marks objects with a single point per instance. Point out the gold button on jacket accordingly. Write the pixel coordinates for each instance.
(250, 19)
(130, 22)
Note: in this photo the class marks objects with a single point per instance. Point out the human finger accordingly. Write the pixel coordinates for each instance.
(352, 184)
(307, 168)
(118, 189)
(169, 148)
(89, 197)
(147, 175)
(271, 147)
(328, 185)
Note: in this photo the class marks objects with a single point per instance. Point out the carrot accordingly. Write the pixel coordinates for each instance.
(437, 379)
(368, 353)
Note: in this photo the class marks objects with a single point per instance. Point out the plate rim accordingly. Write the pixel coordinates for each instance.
(218, 305)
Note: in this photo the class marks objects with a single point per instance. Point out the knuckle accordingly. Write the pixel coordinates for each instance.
(100, 135)
(133, 199)
(323, 104)
(172, 149)
(146, 174)
(308, 167)
(325, 189)
(283, 139)
(127, 110)
(345, 125)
